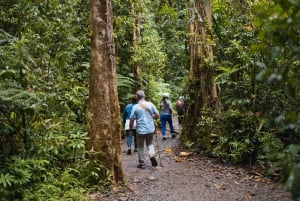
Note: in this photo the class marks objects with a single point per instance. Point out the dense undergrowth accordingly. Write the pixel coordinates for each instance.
(44, 48)
(44, 62)
(257, 58)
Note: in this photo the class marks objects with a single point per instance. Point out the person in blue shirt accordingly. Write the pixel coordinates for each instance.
(126, 120)
(143, 114)
(166, 116)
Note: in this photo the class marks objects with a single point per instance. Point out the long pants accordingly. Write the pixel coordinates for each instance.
(141, 139)
(164, 118)
(129, 139)
(180, 116)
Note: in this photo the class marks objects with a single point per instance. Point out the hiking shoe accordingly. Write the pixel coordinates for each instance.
(135, 150)
(129, 152)
(141, 166)
(164, 138)
(153, 161)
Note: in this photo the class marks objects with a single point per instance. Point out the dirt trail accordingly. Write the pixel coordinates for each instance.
(193, 179)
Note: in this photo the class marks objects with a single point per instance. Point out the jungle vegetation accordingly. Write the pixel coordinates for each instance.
(236, 63)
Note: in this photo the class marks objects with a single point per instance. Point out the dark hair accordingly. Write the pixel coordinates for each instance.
(164, 99)
(134, 99)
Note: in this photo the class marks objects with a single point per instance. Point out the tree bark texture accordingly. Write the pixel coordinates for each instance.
(136, 37)
(104, 112)
(202, 88)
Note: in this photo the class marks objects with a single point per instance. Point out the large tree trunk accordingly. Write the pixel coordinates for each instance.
(136, 37)
(103, 112)
(202, 88)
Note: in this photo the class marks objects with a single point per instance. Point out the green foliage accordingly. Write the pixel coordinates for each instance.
(57, 186)
(44, 62)
(257, 61)
(125, 85)
(162, 52)
(234, 34)
(236, 137)
(95, 175)
(279, 43)
(16, 173)
(291, 170)
(238, 142)
(171, 22)
(44, 48)
(155, 89)
(279, 36)
(150, 52)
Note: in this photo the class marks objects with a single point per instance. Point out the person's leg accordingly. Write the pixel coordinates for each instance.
(163, 126)
(128, 141)
(135, 144)
(180, 117)
(150, 145)
(151, 150)
(170, 122)
(140, 146)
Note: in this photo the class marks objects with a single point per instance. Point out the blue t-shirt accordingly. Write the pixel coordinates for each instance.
(127, 112)
(144, 120)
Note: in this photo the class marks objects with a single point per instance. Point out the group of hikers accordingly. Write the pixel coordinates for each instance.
(139, 119)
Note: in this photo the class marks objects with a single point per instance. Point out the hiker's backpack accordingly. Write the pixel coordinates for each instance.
(179, 106)
(164, 106)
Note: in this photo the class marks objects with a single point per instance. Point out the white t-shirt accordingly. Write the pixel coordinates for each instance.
(127, 124)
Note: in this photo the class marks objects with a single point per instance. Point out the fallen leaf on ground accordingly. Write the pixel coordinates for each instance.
(218, 186)
(259, 179)
(178, 159)
(246, 178)
(185, 154)
(151, 178)
(256, 173)
(269, 182)
(168, 149)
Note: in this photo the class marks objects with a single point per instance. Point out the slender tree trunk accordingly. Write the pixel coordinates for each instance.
(202, 88)
(103, 112)
(137, 69)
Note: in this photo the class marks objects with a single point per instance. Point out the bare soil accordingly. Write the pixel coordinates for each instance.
(192, 178)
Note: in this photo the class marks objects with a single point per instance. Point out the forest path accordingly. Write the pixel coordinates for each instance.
(194, 178)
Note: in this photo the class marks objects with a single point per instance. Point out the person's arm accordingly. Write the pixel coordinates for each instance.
(131, 122)
(170, 107)
(161, 105)
(155, 112)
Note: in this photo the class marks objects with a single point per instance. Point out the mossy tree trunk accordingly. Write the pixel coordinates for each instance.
(202, 90)
(136, 37)
(103, 112)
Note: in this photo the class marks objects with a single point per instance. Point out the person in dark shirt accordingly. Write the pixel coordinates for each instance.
(126, 120)
(179, 105)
